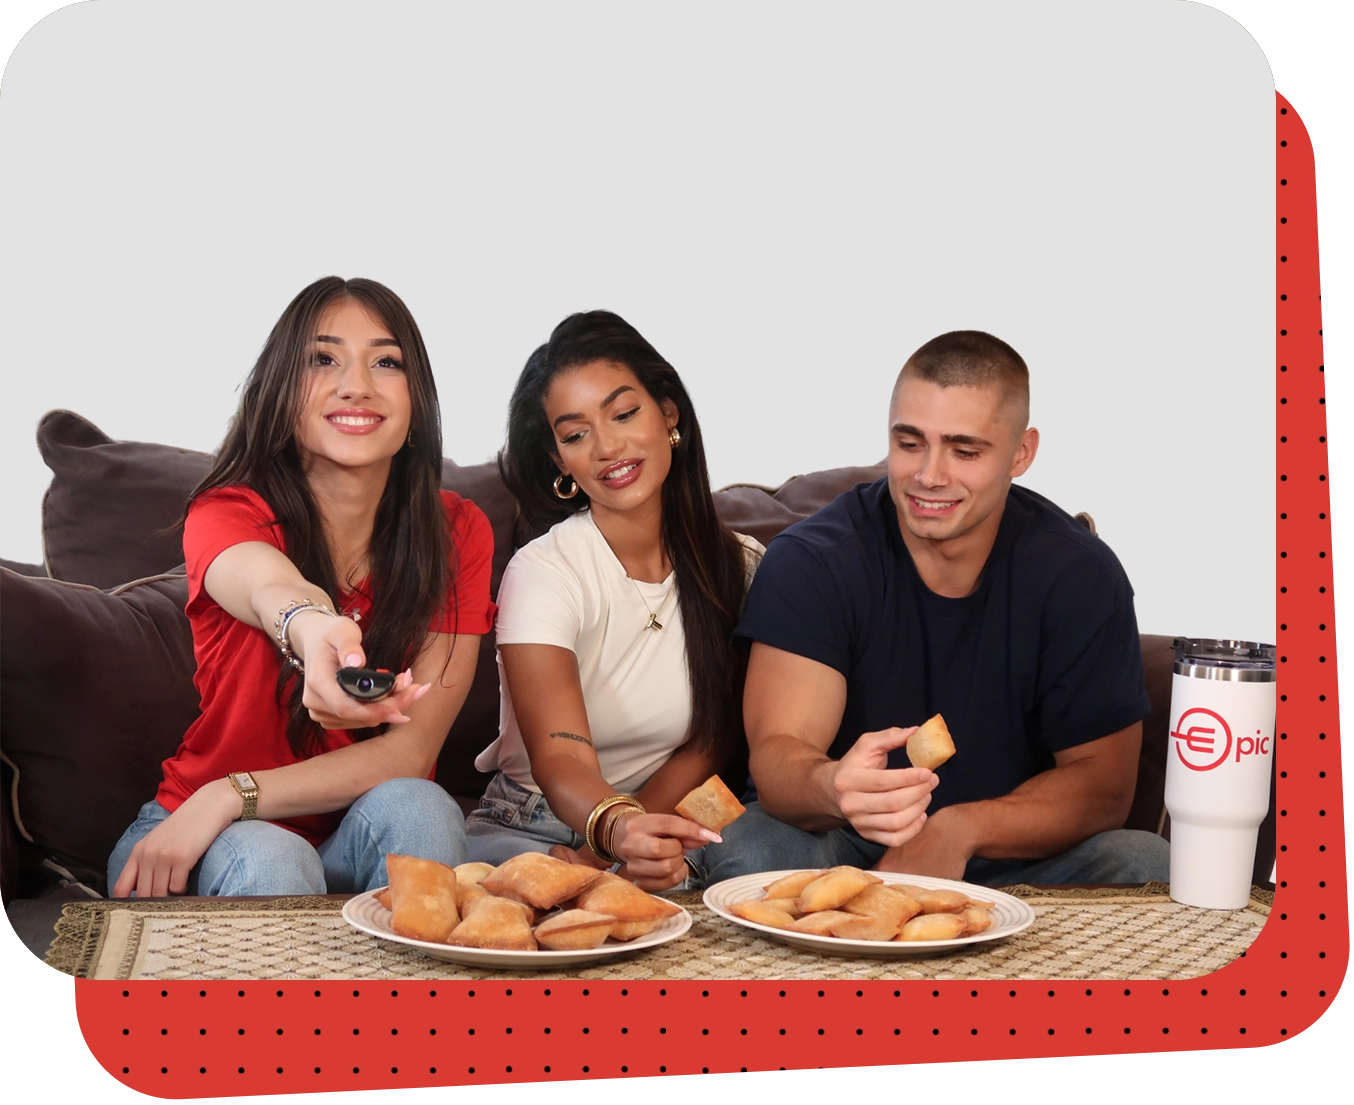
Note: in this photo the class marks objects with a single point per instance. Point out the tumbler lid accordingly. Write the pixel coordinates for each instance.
(1219, 659)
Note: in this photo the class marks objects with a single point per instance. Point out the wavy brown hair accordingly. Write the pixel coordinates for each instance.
(411, 540)
(706, 556)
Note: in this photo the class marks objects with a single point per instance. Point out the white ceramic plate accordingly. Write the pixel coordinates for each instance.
(1009, 916)
(365, 913)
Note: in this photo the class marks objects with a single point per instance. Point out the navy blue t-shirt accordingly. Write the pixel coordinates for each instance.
(1043, 656)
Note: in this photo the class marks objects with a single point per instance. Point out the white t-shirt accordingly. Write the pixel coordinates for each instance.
(567, 588)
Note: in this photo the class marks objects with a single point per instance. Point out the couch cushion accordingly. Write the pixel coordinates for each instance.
(811, 492)
(482, 485)
(111, 513)
(762, 512)
(95, 691)
(23, 568)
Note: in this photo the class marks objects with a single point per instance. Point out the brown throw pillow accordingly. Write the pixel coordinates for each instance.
(811, 492)
(95, 692)
(762, 512)
(24, 569)
(109, 501)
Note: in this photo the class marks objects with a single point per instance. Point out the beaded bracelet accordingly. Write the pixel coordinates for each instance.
(284, 617)
(590, 830)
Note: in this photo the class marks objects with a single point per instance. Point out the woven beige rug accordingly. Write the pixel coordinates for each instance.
(1079, 934)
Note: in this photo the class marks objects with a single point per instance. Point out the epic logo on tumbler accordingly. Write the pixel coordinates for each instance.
(1197, 743)
(1218, 778)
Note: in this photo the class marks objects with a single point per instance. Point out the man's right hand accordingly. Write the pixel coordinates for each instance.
(887, 806)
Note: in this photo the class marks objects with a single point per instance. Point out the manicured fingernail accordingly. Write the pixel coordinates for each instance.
(397, 719)
(353, 660)
(422, 691)
(713, 837)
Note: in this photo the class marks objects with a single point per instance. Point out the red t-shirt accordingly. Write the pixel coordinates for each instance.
(242, 727)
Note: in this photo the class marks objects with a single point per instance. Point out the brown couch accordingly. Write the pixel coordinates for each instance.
(96, 671)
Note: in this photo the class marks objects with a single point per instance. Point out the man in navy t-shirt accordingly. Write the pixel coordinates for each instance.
(943, 589)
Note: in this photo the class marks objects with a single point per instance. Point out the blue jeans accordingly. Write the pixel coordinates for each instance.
(511, 820)
(759, 842)
(413, 817)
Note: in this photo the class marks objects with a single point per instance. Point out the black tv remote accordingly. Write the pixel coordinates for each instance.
(367, 684)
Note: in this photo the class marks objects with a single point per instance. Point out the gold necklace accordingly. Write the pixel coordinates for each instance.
(653, 622)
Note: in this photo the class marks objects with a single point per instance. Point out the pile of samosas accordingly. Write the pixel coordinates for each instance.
(852, 904)
(532, 901)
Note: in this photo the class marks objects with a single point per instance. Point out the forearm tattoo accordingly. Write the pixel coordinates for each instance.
(573, 737)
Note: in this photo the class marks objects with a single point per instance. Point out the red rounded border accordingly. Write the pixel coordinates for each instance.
(187, 1039)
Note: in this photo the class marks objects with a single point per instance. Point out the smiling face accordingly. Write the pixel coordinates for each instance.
(356, 409)
(953, 452)
(611, 435)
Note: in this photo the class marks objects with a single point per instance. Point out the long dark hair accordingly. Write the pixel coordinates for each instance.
(706, 556)
(411, 541)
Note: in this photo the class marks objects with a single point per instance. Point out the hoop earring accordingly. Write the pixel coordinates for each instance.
(409, 441)
(560, 494)
(674, 437)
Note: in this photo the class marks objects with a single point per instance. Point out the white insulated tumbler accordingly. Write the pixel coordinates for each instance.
(1219, 758)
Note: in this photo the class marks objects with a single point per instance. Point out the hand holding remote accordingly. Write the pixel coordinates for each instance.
(331, 644)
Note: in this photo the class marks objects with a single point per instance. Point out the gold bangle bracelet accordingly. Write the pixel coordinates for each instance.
(590, 830)
(618, 811)
(609, 845)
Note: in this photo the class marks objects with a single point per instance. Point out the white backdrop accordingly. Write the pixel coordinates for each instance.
(785, 198)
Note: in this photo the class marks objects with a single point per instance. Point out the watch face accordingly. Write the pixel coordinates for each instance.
(244, 779)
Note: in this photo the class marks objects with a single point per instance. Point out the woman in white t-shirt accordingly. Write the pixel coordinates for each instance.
(621, 681)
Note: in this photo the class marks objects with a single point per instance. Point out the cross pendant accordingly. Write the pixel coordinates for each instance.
(653, 622)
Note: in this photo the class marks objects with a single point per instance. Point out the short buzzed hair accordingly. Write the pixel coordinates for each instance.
(972, 358)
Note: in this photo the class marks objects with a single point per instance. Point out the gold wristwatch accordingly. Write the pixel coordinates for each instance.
(248, 790)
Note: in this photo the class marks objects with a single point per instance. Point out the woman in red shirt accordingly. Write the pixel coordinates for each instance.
(320, 539)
